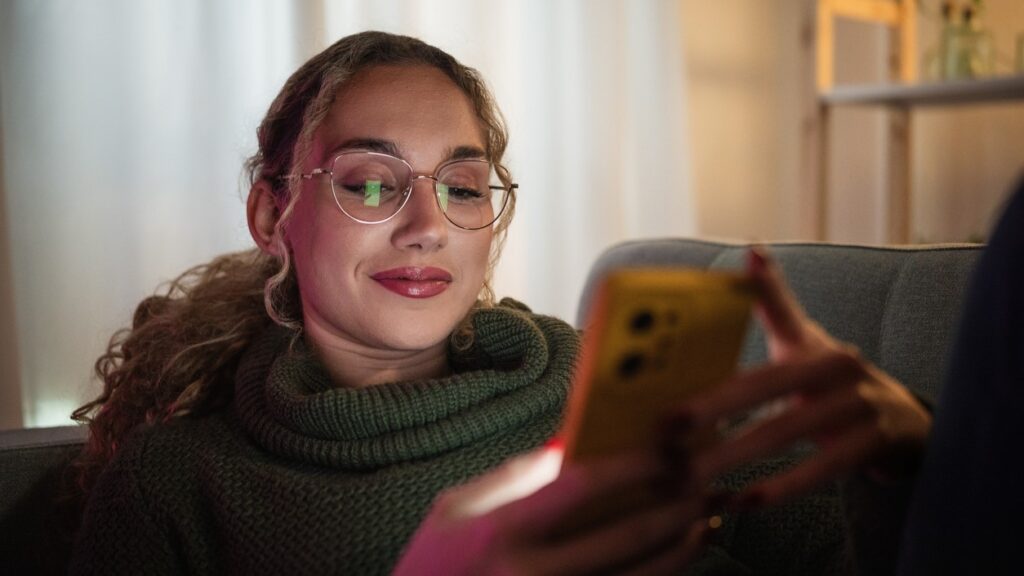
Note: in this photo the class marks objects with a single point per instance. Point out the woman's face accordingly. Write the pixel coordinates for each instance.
(404, 284)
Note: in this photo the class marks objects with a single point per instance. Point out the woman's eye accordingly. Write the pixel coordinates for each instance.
(464, 194)
(364, 186)
(355, 188)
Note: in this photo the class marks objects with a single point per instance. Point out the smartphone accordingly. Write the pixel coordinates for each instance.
(654, 337)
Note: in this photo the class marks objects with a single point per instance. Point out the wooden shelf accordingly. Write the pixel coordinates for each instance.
(951, 93)
(900, 97)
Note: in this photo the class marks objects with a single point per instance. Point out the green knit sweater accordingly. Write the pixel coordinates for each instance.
(303, 478)
(299, 477)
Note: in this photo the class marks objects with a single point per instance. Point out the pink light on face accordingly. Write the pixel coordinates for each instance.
(415, 276)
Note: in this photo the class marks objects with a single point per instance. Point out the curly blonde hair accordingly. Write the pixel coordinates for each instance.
(180, 353)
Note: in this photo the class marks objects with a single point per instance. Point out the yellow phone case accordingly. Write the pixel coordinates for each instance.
(654, 337)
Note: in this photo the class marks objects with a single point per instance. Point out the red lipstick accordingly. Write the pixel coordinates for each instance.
(413, 281)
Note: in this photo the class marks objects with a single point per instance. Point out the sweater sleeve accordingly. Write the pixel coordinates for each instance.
(120, 532)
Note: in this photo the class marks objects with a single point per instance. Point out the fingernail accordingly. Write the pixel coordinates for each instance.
(756, 258)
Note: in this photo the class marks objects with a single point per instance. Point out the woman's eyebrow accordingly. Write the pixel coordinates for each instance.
(368, 144)
(389, 147)
(466, 152)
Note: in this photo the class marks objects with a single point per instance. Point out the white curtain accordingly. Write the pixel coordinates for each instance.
(125, 123)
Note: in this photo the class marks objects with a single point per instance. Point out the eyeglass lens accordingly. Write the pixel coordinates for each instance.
(372, 187)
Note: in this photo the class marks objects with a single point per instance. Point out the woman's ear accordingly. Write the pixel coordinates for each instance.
(263, 214)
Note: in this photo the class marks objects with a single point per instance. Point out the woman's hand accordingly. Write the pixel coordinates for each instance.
(821, 391)
(536, 534)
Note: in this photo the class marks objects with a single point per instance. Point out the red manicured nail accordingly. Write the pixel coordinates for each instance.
(756, 258)
(556, 443)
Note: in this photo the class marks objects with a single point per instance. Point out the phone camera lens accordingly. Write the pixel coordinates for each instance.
(631, 364)
(642, 321)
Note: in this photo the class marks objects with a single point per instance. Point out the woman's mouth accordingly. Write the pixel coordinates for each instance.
(414, 282)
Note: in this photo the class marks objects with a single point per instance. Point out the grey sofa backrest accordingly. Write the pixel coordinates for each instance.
(900, 306)
(37, 513)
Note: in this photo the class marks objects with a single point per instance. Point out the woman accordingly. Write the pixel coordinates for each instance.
(298, 408)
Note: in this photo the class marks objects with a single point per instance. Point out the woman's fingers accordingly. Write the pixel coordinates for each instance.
(529, 533)
(671, 560)
(781, 314)
(837, 460)
(862, 419)
(555, 530)
(903, 425)
(662, 534)
(825, 414)
(858, 416)
(580, 486)
(753, 388)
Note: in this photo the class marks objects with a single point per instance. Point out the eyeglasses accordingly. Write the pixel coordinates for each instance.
(371, 187)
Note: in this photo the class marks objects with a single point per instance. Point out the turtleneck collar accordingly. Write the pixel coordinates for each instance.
(517, 369)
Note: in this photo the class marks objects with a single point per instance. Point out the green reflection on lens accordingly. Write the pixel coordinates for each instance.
(371, 193)
(442, 194)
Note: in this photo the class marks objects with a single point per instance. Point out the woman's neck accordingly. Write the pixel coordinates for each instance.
(356, 365)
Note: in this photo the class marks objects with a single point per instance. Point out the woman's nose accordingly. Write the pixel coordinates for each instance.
(422, 225)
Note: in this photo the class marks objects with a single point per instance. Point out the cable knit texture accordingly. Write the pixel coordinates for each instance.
(300, 477)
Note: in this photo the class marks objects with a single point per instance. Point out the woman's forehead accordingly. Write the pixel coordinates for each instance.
(403, 106)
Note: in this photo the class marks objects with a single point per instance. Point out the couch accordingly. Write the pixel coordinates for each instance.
(898, 305)
(36, 517)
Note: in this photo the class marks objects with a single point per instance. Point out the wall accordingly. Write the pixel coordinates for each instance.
(10, 392)
(751, 97)
(968, 158)
(742, 117)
